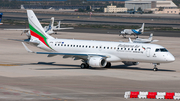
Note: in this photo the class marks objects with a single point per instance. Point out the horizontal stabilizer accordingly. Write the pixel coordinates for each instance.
(26, 40)
(155, 41)
(55, 29)
(27, 48)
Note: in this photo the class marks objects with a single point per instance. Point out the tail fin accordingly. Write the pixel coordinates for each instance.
(36, 29)
(1, 17)
(59, 24)
(142, 28)
(151, 36)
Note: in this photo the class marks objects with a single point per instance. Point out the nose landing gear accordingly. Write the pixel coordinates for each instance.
(155, 66)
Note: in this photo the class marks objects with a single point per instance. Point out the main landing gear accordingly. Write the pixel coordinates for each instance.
(155, 66)
(84, 65)
(108, 65)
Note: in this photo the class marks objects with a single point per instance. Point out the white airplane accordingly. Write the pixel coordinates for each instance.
(97, 54)
(149, 40)
(132, 31)
(51, 29)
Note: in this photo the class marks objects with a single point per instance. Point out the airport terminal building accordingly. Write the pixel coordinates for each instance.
(149, 4)
(114, 9)
(152, 5)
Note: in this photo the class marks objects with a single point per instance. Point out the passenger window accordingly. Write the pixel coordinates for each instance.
(92, 46)
(135, 49)
(104, 47)
(107, 47)
(118, 48)
(79, 45)
(83, 46)
(114, 47)
(128, 48)
(86, 46)
(96, 46)
(89, 46)
(76, 45)
(64, 44)
(68, 45)
(73, 45)
(61, 44)
(121, 48)
(132, 49)
(58, 44)
(100, 47)
(55, 44)
(111, 47)
(139, 49)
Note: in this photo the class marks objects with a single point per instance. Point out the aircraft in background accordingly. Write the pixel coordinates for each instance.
(51, 29)
(149, 40)
(134, 11)
(1, 14)
(132, 31)
(97, 54)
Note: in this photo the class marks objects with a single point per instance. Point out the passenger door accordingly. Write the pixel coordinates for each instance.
(148, 51)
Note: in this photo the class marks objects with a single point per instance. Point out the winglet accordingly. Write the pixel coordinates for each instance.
(27, 48)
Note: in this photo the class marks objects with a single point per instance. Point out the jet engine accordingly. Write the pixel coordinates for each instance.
(130, 63)
(97, 62)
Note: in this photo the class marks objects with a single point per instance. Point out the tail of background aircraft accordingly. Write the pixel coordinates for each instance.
(142, 28)
(51, 25)
(151, 36)
(59, 24)
(1, 17)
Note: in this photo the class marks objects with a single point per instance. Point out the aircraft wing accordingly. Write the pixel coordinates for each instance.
(56, 29)
(27, 29)
(66, 55)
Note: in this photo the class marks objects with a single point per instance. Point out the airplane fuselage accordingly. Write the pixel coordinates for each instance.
(116, 51)
(131, 32)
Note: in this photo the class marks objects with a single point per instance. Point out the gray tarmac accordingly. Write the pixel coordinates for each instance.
(30, 77)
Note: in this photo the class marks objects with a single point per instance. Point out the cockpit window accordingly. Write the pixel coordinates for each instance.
(157, 50)
(161, 50)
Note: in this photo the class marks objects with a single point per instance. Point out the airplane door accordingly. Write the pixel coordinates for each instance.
(148, 51)
(51, 43)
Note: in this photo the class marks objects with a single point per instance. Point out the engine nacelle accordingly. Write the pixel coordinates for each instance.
(97, 61)
(130, 63)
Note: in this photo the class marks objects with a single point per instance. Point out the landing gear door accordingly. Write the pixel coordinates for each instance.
(148, 50)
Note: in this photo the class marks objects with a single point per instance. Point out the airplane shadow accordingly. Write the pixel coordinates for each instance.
(78, 67)
(137, 68)
(52, 64)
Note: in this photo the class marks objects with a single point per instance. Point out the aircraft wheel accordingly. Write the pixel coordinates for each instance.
(84, 65)
(155, 69)
(108, 65)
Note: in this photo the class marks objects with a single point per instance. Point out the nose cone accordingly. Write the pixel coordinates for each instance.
(170, 58)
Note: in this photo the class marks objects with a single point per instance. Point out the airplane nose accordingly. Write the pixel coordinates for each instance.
(171, 58)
